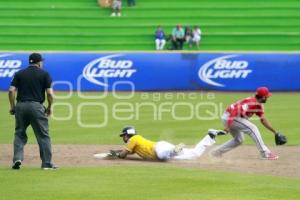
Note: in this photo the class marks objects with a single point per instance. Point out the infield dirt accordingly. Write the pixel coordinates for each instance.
(244, 159)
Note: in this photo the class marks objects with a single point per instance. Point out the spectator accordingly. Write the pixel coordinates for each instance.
(160, 38)
(169, 43)
(105, 3)
(188, 34)
(131, 3)
(196, 36)
(116, 8)
(178, 37)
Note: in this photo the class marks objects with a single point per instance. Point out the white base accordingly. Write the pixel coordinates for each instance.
(101, 155)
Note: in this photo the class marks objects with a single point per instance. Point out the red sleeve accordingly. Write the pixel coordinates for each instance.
(260, 111)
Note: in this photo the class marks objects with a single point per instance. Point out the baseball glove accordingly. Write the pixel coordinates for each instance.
(114, 153)
(280, 139)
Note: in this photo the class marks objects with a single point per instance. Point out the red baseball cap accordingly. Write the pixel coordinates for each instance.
(263, 92)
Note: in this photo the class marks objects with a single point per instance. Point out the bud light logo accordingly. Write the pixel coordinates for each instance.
(223, 68)
(8, 67)
(100, 70)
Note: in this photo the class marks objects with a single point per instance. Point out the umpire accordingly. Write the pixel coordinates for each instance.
(31, 84)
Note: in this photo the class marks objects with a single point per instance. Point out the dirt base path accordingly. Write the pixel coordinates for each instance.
(244, 159)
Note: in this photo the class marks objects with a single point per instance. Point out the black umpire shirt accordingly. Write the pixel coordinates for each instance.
(31, 83)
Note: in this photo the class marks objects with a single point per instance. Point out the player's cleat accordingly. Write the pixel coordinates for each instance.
(178, 148)
(270, 156)
(16, 164)
(213, 133)
(113, 14)
(119, 14)
(52, 167)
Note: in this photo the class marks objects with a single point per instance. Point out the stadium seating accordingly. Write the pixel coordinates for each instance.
(83, 25)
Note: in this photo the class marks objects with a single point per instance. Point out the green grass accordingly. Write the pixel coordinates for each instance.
(161, 182)
(83, 25)
(132, 183)
(151, 121)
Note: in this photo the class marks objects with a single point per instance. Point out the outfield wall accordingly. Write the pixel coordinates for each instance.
(125, 71)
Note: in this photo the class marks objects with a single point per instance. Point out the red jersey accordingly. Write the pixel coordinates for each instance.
(245, 108)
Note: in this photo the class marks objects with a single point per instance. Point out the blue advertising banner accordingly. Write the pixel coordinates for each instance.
(162, 71)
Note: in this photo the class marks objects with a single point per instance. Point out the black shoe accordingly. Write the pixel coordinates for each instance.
(52, 167)
(17, 164)
(213, 133)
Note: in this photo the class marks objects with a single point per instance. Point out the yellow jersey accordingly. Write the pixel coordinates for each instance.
(141, 146)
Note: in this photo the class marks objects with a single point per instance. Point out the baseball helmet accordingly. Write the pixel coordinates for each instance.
(129, 130)
(263, 92)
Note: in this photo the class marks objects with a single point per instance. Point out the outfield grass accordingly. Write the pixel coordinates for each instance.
(142, 183)
(281, 110)
(147, 182)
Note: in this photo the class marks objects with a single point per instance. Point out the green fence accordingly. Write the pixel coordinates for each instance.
(83, 25)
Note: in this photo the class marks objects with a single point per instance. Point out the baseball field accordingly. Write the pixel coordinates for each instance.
(86, 123)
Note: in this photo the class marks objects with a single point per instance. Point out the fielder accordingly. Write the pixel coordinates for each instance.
(235, 120)
(162, 150)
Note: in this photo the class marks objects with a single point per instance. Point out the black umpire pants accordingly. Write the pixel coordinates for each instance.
(32, 113)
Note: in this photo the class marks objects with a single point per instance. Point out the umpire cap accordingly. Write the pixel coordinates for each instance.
(128, 131)
(35, 58)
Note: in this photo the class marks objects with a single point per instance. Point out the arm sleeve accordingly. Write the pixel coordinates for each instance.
(260, 113)
(174, 32)
(131, 145)
(182, 33)
(15, 81)
(48, 81)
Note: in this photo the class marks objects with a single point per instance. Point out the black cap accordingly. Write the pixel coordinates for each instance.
(35, 58)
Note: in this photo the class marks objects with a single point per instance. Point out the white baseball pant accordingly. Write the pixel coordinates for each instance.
(164, 150)
(160, 44)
